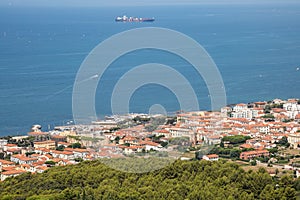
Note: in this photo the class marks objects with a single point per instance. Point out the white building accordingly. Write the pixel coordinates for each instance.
(294, 139)
(211, 157)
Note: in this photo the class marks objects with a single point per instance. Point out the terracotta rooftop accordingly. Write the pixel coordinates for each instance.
(13, 172)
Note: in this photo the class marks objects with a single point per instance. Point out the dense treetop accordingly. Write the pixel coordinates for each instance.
(179, 180)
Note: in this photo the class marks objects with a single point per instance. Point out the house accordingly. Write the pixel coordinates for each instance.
(3, 143)
(133, 149)
(65, 144)
(213, 139)
(225, 111)
(78, 153)
(11, 151)
(129, 140)
(6, 163)
(294, 139)
(24, 167)
(247, 155)
(48, 144)
(245, 146)
(149, 145)
(62, 154)
(10, 146)
(240, 107)
(39, 136)
(11, 173)
(40, 168)
(260, 104)
(162, 132)
(180, 132)
(58, 138)
(211, 157)
(21, 159)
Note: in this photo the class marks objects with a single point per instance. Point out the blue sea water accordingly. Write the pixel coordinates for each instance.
(256, 48)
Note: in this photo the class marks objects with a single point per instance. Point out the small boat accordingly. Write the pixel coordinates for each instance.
(133, 19)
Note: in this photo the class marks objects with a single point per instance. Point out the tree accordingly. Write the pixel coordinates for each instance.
(179, 180)
(60, 148)
(78, 159)
(235, 153)
(284, 142)
(117, 139)
(268, 116)
(267, 193)
(253, 162)
(222, 144)
(50, 162)
(75, 145)
(273, 150)
(2, 155)
(237, 139)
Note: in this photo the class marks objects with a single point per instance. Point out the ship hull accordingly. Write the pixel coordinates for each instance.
(131, 19)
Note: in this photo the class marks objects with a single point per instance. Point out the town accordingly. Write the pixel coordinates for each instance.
(254, 134)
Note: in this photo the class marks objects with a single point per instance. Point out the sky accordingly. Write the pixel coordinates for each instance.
(101, 3)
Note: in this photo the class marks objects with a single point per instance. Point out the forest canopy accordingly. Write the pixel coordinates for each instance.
(179, 180)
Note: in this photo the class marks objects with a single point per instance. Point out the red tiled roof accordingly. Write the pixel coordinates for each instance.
(11, 145)
(24, 158)
(45, 142)
(13, 172)
(212, 156)
(9, 168)
(6, 162)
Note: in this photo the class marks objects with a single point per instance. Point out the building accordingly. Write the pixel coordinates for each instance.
(78, 153)
(6, 163)
(149, 145)
(21, 159)
(294, 139)
(133, 149)
(247, 155)
(180, 132)
(3, 143)
(211, 157)
(11, 173)
(67, 155)
(240, 107)
(39, 136)
(48, 144)
(225, 111)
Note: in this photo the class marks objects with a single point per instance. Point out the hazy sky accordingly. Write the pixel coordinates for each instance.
(100, 3)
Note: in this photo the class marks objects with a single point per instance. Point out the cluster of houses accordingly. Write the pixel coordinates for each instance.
(265, 122)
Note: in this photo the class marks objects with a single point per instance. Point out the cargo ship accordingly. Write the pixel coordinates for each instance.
(133, 19)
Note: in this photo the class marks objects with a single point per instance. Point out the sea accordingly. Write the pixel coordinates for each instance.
(256, 48)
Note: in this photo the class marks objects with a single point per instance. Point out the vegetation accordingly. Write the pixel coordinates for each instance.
(60, 148)
(50, 162)
(237, 139)
(25, 142)
(273, 150)
(154, 123)
(284, 142)
(268, 108)
(268, 116)
(180, 180)
(227, 152)
(287, 120)
(75, 145)
(92, 139)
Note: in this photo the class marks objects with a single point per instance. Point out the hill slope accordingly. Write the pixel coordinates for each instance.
(180, 180)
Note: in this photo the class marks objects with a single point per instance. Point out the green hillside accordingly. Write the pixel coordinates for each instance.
(180, 180)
